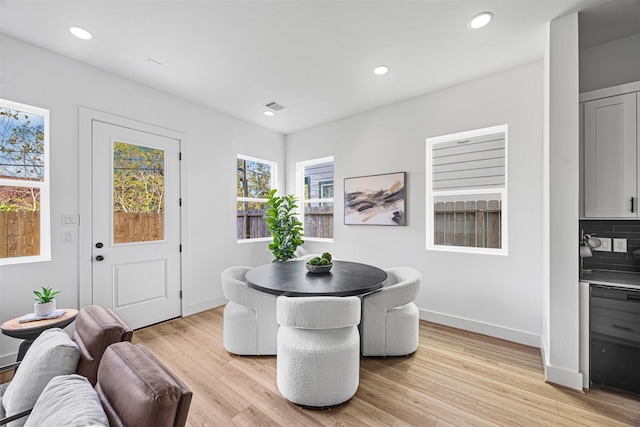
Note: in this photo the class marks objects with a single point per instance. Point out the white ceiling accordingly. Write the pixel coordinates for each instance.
(314, 57)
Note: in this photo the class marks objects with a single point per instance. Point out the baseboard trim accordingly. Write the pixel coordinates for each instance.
(570, 380)
(564, 378)
(496, 331)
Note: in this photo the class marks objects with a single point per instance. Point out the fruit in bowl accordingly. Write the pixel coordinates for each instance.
(320, 264)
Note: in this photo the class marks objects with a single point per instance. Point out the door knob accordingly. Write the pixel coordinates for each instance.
(99, 245)
(99, 258)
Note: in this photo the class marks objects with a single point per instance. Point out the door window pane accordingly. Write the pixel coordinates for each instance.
(138, 193)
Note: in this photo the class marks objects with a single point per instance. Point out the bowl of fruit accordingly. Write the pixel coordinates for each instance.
(320, 264)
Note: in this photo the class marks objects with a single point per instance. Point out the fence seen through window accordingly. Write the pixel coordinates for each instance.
(467, 191)
(24, 207)
(254, 179)
(138, 193)
(317, 197)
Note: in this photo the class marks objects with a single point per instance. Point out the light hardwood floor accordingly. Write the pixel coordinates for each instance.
(456, 378)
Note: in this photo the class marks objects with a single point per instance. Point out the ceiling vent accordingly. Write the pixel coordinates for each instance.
(274, 106)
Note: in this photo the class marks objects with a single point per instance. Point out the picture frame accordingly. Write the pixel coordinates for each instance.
(375, 199)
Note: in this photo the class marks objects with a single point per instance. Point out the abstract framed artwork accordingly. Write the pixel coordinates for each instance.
(375, 199)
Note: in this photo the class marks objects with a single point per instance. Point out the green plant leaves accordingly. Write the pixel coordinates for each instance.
(47, 295)
(284, 225)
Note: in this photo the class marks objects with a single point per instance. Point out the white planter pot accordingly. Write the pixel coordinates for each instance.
(45, 309)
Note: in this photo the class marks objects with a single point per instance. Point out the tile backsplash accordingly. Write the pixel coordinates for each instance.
(625, 229)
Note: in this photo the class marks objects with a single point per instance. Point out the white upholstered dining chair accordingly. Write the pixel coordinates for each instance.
(307, 257)
(318, 349)
(390, 319)
(249, 324)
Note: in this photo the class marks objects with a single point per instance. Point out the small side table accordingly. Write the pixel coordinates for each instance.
(29, 331)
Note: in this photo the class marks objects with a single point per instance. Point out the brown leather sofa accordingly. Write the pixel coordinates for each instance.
(96, 329)
(126, 381)
(133, 389)
(136, 389)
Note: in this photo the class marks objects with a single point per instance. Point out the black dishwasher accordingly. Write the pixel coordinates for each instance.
(615, 338)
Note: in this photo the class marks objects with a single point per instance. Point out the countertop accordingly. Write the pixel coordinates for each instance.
(611, 278)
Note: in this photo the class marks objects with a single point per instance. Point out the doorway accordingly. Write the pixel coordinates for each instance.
(135, 221)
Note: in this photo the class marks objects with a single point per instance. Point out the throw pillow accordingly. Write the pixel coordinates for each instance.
(52, 353)
(70, 401)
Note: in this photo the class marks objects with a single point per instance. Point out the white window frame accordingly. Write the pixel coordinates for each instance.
(43, 186)
(274, 180)
(300, 174)
(431, 194)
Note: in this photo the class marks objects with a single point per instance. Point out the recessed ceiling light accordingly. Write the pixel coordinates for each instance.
(480, 20)
(381, 69)
(80, 33)
(269, 113)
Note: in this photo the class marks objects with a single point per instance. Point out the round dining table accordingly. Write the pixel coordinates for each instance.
(291, 278)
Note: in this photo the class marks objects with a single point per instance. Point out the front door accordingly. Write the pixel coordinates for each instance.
(136, 224)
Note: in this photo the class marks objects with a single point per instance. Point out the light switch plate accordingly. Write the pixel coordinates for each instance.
(605, 246)
(619, 245)
(71, 220)
(68, 236)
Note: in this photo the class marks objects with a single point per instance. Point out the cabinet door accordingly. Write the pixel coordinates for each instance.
(611, 157)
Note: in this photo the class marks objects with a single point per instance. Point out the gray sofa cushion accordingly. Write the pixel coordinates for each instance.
(52, 353)
(70, 401)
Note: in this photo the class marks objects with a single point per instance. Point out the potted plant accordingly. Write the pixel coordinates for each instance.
(284, 225)
(45, 302)
(321, 264)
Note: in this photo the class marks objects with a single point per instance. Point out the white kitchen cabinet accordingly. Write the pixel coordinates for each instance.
(612, 157)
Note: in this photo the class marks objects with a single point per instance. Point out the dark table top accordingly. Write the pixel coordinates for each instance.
(291, 278)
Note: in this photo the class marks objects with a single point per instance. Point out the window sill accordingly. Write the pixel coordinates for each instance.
(317, 239)
(24, 260)
(257, 239)
(468, 250)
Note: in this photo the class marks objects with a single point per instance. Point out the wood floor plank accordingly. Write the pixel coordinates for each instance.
(443, 410)
(253, 417)
(456, 378)
(360, 413)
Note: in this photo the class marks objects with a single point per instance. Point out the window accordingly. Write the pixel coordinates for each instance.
(467, 191)
(316, 196)
(24, 184)
(254, 179)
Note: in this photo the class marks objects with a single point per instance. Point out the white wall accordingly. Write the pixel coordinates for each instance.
(561, 339)
(39, 77)
(610, 64)
(497, 295)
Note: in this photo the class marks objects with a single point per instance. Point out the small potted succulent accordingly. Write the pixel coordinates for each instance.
(320, 264)
(45, 302)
